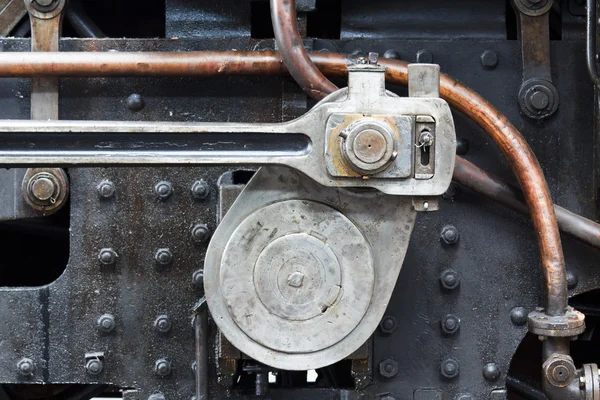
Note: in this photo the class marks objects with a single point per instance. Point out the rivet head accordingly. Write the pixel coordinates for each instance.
(491, 372)
(572, 279)
(489, 59)
(450, 324)
(107, 256)
(200, 190)
(135, 102)
(449, 368)
(163, 190)
(450, 279)
(462, 146)
(388, 324)
(198, 278)
(162, 367)
(200, 233)
(518, 316)
(449, 235)
(162, 323)
(106, 189)
(424, 57)
(388, 368)
(392, 53)
(26, 367)
(157, 396)
(94, 366)
(106, 323)
(163, 257)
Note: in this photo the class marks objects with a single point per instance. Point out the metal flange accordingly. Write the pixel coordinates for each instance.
(570, 324)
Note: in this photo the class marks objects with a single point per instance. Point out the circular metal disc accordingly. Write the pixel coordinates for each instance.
(297, 276)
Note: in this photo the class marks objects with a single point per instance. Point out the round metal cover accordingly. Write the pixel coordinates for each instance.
(297, 276)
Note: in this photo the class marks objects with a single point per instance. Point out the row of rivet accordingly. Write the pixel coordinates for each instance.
(200, 190)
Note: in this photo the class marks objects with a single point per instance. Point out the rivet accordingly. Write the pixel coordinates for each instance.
(450, 324)
(94, 366)
(162, 323)
(450, 279)
(518, 316)
(200, 233)
(162, 367)
(163, 190)
(462, 146)
(107, 256)
(489, 59)
(449, 368)
(572, 279)
(449, 235)
(163, 257)
(424, 57)
(491, 372)
(106, 189)
(198, 278)
(135, 102)
(388, 324)
(26, 367)
(392, 53)
(388, 368)
(200, 190)
(106, 323)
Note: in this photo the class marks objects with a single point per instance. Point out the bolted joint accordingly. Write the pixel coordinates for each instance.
(388, 324)
(450, 324)
(538, 98)
(200, 190)
(107, 256)
(94, 363)
(559, 370)
(570, 324)
(45, 189)
(162, 323)
(106, 323)
(449, 235)
(449, 368)
(26, 367)
(44, 6)
(163, 257)
(200, 233)
(388, 368)
(162, 367)
(106, 189)
(163, 190)
(533, 8)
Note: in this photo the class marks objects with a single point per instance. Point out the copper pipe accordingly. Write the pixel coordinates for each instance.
(506, 136)
(295, 57)
(480, 181)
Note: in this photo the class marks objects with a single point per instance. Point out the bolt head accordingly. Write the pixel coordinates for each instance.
(162, 323)
(135, 102)
(424, 57)
(491, 372)
(106, 189)
(26, 367)
(388, 368)
(162, 367)
(450, 368)
(518, 316)
(450, 324)
(200, 190)
(163, 257)
(198, 277)
(450, 279)
(163, 190)
(106, 323)
(42, 188)
(295, 279)
(107, 256)
(94, 366)
(449, 235)
(388, 324)
(489, 59)
(539, 100)
(200, 233)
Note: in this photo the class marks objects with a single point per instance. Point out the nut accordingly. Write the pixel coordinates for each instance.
(106, 189)
(162, 323)
(26, 367)
(106, 323)
(163, 190)
(388, 324)
(162, 367)
(107, 256)
(450, 368)
(163, 257)
(388, 368)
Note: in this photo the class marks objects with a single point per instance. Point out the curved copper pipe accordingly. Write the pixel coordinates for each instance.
(295, 57)
(497, 126)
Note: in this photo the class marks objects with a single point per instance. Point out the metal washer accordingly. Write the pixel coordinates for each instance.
(297, 276)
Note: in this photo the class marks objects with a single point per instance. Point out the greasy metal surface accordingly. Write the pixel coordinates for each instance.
(11, 13)
(386, 224)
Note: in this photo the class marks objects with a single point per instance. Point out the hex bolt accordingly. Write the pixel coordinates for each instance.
(462, 146)
(489, 59)
(450, 324)
(424, 57)
(162, 367)
(450, 279)
(157, 396)
(198, 278)
(392, 53)
(163, 257)
(200, 190)
(106, 189)
(449, 235)
(26, 367)
(449, 368)
(388, 368)
(162, 323)
(491, 372)
(163, 190)
(200, 233)
(388, 324)
(572, 279)
(94, 366)
(106, 323)
(518, 316)
(135, 102)
(107, 256)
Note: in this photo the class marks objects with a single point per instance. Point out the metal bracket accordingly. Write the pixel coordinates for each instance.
(538, 97)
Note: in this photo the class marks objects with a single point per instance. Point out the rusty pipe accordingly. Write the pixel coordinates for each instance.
(293, 54)
(471, 176)
(506, 136)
